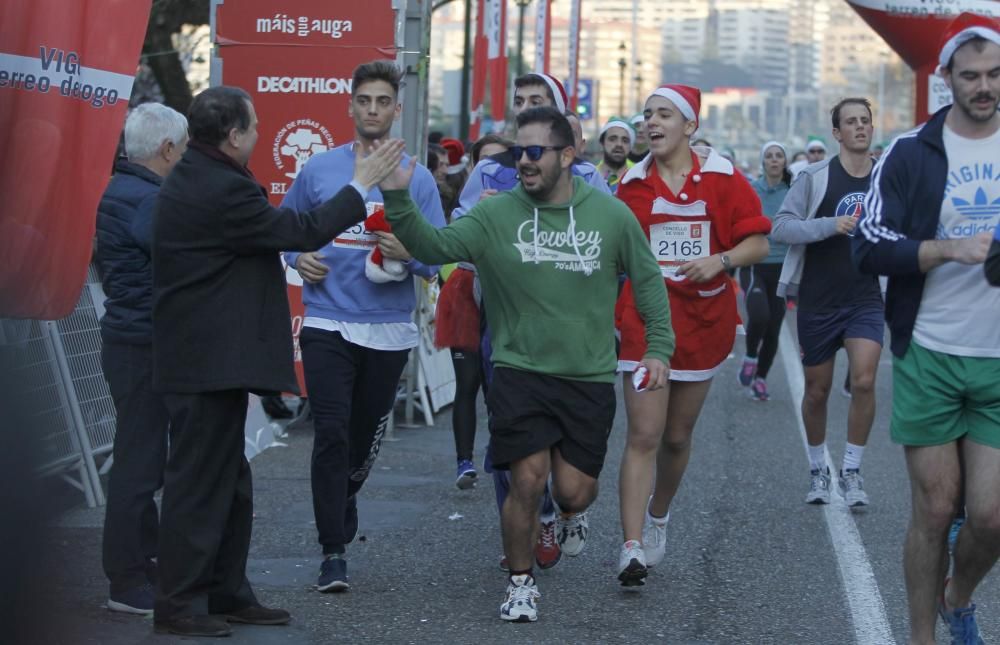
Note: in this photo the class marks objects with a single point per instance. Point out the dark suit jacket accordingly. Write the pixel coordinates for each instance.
(220, 309)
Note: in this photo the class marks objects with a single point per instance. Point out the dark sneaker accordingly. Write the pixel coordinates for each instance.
(747, 372)
(193, 626)
(961, 624)
(466, 475)
(956, 526)
(138, 600)
(333, 575)
(258, 615)
(547, 551)
(275, 407)
(758, 390)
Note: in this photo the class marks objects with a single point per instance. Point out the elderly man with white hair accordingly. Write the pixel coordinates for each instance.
(155, 138)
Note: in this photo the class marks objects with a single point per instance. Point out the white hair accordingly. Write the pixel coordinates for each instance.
(148, 126)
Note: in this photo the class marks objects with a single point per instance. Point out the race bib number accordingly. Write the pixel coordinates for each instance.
(675, 243)
(357, 237)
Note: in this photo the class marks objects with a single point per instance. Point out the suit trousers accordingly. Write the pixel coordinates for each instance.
(207, 510)
(131, 521)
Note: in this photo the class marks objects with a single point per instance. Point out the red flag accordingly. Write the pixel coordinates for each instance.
(497, 37)
(66, 75)
(478, 74)
(574, 54)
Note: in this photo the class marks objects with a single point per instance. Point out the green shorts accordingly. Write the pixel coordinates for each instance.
(939, 398)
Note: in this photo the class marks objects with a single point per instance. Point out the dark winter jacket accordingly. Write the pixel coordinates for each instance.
(124, 231)
(902, 210)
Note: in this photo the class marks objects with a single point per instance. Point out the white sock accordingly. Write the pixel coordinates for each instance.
(852, 456)
(817, 457)
(751, 360)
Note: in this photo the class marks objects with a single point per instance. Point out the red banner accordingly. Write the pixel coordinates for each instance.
(913, 29)
(66, 75)
(479, 71)
(295, 58)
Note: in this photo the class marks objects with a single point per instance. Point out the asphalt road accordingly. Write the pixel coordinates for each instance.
(748, 561)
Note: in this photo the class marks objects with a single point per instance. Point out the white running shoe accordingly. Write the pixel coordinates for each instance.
(654, 540)
(852, 488)
(632, 565)
(519, 606)
(572, 533)
(819, 487)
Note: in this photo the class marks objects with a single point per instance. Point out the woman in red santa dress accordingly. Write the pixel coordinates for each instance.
(702, 219)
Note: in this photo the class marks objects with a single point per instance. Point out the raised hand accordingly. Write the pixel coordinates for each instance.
(399, 178)
(371, 168)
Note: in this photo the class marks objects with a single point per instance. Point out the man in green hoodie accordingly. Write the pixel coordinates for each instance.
(548, 253)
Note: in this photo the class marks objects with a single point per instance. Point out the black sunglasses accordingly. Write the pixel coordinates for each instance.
(534, 152)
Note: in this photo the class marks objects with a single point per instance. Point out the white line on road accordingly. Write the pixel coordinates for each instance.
(871, 626)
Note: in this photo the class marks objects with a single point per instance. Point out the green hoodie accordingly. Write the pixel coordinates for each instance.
(550, 298)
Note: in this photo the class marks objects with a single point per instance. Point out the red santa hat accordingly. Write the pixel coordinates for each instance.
(558, 91)
(456, 155)
(686, 98)
(378, 268)
(963, 29)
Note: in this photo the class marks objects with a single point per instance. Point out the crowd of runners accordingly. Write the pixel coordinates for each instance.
(559, 277)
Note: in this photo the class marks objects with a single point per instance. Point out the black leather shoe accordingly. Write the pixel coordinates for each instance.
(258, 615)
(193, 626)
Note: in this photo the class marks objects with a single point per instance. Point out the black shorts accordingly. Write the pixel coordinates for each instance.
(821, 334)
(532, 412)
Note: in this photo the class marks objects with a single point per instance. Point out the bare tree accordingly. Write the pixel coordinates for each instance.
(159, 51)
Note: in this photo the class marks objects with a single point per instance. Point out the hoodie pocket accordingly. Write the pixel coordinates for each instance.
(555, 346)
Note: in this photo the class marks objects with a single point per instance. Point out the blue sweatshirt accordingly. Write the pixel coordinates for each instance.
(347, 295)
(770, 201)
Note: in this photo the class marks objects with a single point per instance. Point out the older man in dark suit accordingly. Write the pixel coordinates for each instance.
(221, 330)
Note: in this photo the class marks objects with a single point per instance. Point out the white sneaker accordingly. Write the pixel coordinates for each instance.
(654, 540)
(519, 606)
(572, 533)
(819, 487)
(852, 488)
(632, 565)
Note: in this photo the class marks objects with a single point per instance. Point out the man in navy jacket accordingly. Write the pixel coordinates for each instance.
(155, 138)
(931, 214)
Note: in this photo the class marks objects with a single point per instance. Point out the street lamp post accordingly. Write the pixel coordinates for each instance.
(622, 63)
(522, 5)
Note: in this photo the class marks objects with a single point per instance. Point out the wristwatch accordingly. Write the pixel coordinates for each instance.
(727, 264)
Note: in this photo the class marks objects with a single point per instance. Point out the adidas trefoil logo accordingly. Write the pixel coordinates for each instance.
(980, 208)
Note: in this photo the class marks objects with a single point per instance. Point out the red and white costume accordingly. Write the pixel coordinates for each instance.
(714, 210)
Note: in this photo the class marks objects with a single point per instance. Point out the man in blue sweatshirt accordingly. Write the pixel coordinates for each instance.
(358, 328)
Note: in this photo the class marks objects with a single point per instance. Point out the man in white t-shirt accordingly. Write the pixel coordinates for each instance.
(943, 318)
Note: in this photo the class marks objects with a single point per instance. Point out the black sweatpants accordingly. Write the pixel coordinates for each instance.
(207, 510)
(468, 377)
(131, 521)
(352, 390)
(765, 313)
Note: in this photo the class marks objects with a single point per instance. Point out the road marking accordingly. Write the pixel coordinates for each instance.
(871, 625)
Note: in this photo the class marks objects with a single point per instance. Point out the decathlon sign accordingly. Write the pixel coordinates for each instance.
(302, 85)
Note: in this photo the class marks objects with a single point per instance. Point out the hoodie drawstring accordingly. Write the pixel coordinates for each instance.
(587, 270)
(536, 236)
